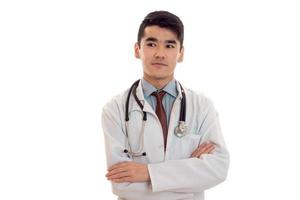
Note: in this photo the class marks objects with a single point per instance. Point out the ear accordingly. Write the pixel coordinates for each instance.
(136, 50)
(181, 53)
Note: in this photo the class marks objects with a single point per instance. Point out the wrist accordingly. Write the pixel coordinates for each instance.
(148, 174)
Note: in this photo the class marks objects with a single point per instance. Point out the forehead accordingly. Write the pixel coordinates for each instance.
(161, 34)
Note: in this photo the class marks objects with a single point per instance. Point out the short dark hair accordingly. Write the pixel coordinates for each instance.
(163, 19)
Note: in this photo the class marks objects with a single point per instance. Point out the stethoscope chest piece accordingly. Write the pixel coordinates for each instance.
(181, 129)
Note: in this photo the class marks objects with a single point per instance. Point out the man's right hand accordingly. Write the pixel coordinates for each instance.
(204, 148)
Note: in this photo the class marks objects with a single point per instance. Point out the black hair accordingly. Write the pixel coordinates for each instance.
(163, 19)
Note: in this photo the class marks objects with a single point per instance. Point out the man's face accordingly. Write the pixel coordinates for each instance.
(159, 52)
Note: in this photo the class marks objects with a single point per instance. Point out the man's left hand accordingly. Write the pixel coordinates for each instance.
(128, 172)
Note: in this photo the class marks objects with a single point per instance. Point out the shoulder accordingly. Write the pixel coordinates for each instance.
(116, 102)
(197, 97)
(201, 104)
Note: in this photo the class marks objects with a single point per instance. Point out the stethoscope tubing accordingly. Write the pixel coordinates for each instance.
(132, 90)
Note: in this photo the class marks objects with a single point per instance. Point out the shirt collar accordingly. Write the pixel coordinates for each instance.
(170, 88)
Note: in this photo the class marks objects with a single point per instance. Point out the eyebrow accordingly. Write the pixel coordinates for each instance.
(171, 41)
(152, 39)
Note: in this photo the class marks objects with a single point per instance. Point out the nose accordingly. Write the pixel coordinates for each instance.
(159, 53)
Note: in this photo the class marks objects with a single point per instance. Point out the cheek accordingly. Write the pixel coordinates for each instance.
(174, 58)
(146, 56)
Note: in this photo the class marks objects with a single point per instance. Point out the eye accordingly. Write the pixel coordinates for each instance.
(170, 46)
(151, 44)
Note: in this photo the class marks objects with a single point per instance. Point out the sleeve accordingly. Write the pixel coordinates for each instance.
(114, 136)
(195, 174)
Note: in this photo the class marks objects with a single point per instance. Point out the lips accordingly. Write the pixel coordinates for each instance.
(158, 63)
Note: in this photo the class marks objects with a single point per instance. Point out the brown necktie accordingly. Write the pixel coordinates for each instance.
(161, 114)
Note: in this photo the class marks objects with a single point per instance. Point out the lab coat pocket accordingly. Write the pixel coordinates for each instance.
(189, 143)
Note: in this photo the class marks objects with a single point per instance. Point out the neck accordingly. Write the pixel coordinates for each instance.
(157, 82)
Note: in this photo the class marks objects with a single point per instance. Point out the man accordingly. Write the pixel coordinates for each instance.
(149, 156)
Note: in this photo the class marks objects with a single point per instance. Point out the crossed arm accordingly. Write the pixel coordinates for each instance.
(138, 172)
(207, 166)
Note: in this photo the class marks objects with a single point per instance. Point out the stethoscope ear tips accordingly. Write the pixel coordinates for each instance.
(127, 152)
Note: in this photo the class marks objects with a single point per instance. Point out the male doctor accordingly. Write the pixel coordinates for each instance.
(149, 156)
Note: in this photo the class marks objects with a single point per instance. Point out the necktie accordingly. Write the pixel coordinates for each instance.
(161, 114)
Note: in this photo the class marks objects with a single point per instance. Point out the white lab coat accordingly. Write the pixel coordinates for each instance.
(173, 174)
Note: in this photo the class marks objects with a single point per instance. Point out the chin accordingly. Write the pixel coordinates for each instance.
(158, 74)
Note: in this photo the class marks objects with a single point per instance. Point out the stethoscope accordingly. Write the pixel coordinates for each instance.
(180, 130)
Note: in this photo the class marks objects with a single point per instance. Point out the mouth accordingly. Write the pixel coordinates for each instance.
(159, 64)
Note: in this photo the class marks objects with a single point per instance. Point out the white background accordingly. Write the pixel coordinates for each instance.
(62, 60)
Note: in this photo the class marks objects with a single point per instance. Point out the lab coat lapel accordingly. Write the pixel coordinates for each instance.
(174, 118)
(140, 95)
